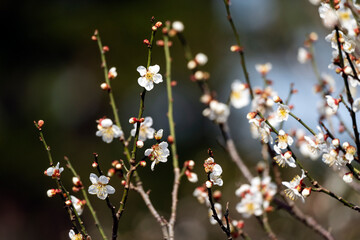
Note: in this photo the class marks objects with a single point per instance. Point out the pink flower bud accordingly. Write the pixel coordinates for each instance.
(208, 184)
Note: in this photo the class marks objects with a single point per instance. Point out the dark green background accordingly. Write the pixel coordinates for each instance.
(50, 70)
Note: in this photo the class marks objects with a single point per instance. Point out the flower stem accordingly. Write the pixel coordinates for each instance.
(107, 80)
(241, 52)
(88, 203)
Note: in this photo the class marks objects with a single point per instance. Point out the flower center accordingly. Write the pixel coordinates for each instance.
(149, 76)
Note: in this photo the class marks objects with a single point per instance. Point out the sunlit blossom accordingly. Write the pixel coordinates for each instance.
(240, 94)
(146, 131)
(294, 187)
(158, 153)
(149, 76)
(99, 186)
(217, 111)
(54, 172)
(107, 130)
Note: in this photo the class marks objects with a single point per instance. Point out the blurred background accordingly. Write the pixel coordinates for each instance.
(50, 70)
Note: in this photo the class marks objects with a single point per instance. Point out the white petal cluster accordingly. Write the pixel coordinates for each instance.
(215, 175)
(108, 131)
(328, 15)
(149, 76)
(255, 198)
(146, 131)
(218, 209)
(303, 55)
(283, 159)
(263, 69)
(54, 171)
(263, 100)
(282, 113)
(77, 204)
(178, 26)
(240, 94)
(158, 153)
(217, 112)
(99, 186)
(74, 236)
(332, 103)
(294, 187)
(261, 130)
(348, 44)
(284, 140)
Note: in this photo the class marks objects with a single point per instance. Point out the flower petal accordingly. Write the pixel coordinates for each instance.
(148, 151)
(93, 178)
(149, 85)
(154, 69)
(141, 70)
(157, 78)
(104, 180)
(110, 189)
(92, 189)
(142, 81)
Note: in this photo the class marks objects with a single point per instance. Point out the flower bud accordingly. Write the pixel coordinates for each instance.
(306, 192)
(105, 49)
(76, 181)
(68, 202)
(123, 182)
(288, 154)
(348, 177)
(170, 139)
(154, 28)
(132, 120)
(139, 144)
(217, 195)
(345, 145)
(159, 134)
(335, 142)
(178, 26)
(191, 64)
(313, 37)
(251, 115)
(201, 59)
(51, 192)
(205, 99)
(40, 123)
(142, 163)
(158, 24)
(199, 75)
(208, 184)
(111, 172)
(347, 70)
(104, 86)
(190, 164)
(236, 48)
(118, 166)
(94, 165)
(277, 99)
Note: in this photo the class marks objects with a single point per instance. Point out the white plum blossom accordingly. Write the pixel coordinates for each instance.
(356, 105)
(215, 175)
(347, 21)
(294, 187)
(217, 111)
(303, 55)
(201, 59)
(263, 69)
(240, 94)
(99, 186)
(350, 153)
(284, 158)
(348, 44)
(149, 76)
(107, 130)
(191, 176)
(157, 153)
(159, 134)
(250, 204)
(348, 177)
(54, 172)
(74, 236)
(261, 130)
(328, 15)
(218, 209)
(284, 140)
(77, 204)
(282, 113)
(146, 131)
(112, 73)
(333, 103)
(201, 193)
(255, 198)
(178, 26)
